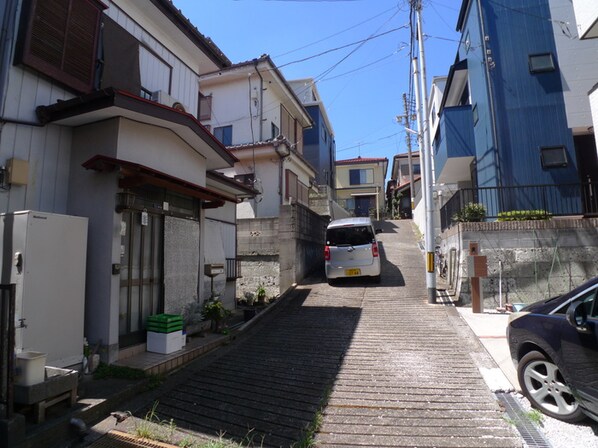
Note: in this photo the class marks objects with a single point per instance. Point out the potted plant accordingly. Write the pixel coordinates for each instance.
(260, 294)
(215, 311)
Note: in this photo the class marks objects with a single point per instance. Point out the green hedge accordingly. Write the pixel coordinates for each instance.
(524, 215)
(472, 212)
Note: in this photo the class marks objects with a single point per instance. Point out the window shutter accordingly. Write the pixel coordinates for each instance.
(60, 40)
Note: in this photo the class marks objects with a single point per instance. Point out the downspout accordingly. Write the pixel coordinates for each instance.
(490, 94)
(261, 100)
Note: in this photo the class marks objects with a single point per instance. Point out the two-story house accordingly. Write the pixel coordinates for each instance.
(252, 110)
(404, 170)
(99, 113)
(360, 185)
(515, 121)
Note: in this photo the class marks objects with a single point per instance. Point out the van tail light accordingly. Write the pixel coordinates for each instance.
(375, 250)
(327, 253)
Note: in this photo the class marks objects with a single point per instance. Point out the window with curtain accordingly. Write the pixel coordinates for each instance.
(361, 176)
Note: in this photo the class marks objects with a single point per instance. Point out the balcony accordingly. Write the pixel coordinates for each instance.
(454, 145)
(558, 200)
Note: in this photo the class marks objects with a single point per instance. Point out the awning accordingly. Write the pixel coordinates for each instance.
(365, 194)
(136, 175)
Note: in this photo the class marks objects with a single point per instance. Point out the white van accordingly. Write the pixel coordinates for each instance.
(351, 249)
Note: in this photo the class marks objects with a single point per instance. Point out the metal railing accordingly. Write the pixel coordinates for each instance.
(233, 268)
(7, 349)
(557, 200)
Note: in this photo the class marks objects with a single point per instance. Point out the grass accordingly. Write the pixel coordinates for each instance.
(308, 439)
(535, 416)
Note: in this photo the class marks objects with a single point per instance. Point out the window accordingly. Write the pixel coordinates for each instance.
(361, 176)
(475, 114)
(417, 169)
(224, 134)
(539, 63)
(553, 156)
(275, 130)
(205, 107)
(59, 39)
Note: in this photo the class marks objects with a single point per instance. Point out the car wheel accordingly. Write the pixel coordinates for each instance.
(376, 279)
(330, 281)
(544, 386)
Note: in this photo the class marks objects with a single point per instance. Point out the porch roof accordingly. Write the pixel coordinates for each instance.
(136, 175)
(110, 103)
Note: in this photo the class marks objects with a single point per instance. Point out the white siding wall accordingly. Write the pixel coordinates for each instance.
(161, 150)
(578, 64)
(586, 14)
(185, 64)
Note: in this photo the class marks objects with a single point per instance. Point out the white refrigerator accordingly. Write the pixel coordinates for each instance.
(44, 254)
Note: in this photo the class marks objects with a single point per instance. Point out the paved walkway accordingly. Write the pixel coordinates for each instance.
(376, 363)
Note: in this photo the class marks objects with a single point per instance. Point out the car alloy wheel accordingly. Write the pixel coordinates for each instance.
(543, 384)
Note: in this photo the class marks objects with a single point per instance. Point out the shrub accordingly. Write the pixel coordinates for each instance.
(524, 215)
(215, 311)
(472, 212)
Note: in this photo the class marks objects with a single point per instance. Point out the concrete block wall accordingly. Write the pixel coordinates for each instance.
(527, 260)
(277, 252)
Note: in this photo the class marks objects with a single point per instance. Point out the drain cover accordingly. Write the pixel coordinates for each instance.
(532, 437)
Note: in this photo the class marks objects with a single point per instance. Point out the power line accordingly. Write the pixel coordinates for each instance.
(335, 34)
(344, 46)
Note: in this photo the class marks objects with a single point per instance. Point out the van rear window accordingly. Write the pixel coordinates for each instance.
(349, 236)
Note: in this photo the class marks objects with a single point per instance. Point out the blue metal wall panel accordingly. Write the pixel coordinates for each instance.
(455, 138)
(529, 107)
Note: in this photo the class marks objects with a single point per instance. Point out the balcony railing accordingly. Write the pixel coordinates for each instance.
(558, 200)
(233, 268)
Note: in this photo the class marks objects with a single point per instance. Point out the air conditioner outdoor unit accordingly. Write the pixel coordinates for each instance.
(160, 96)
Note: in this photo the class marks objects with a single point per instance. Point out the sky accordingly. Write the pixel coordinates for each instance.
(357, 50)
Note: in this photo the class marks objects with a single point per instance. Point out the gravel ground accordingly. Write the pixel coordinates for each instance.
(565, 435)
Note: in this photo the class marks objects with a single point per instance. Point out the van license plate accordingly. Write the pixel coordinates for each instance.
(351, 272)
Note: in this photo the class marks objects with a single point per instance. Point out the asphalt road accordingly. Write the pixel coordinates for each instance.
(374, 365)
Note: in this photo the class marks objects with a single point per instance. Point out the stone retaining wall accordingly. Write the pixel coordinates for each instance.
(529, 260)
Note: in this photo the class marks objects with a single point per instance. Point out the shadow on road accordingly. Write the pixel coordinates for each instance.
(266, 389)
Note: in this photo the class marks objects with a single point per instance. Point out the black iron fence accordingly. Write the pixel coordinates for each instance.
(233, 268)
(558, 200)
(7, 349)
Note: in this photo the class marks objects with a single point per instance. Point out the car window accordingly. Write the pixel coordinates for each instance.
(353, 236)
(589, 301)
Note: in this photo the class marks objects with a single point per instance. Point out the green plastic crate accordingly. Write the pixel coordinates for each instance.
(164, 323)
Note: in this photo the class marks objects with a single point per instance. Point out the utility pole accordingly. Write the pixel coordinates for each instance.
(420, 79)
(408, 137)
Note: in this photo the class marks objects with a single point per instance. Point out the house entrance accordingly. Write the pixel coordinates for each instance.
(362, 205)
(141, 274)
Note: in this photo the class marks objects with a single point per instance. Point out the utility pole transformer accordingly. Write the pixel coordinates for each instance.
(420, 80)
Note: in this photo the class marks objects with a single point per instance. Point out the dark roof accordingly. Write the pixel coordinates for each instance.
(219, 177)
(461, 17)
(135, 174)
(458, 65)
(205, 44)
(362, 160)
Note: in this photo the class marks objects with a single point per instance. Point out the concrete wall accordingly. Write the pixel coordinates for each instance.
(277, 252)
(531, 260)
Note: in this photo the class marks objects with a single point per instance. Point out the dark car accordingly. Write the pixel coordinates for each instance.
(554, 345)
